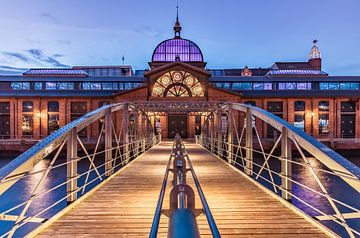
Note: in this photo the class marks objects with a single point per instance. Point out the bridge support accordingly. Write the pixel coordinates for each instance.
(219, 135)
(136, 134)
(249, 143)
(71, 167)
(143, 132)
(230, 136)
(126, 135)
(108, 144)
(286, 165)
(212, 132)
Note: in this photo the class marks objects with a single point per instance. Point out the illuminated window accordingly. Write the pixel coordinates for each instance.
(324, 124)
(177, 84)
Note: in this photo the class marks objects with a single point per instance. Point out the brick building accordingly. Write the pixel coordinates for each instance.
(40, 101)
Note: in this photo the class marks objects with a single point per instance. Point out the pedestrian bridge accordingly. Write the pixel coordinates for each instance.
(133, 184)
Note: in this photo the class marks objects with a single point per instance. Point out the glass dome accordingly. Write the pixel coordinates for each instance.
(177, 49)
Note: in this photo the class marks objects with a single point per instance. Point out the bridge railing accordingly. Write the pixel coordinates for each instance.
(295, 166)
(182, 212)
(37, 185)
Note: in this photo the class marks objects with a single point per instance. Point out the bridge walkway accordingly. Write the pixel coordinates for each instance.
(124, 206)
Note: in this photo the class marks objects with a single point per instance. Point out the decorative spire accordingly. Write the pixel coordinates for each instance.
(177, 27)
(315, 52)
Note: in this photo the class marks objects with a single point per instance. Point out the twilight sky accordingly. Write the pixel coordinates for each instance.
(231, 33)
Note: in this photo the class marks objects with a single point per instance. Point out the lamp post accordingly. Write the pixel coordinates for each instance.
(312, 123)
(38, 114)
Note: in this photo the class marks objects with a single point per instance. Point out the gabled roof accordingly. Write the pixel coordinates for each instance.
(174, 64)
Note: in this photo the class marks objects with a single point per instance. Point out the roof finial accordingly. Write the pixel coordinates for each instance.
(177, 27)
(177, 11)
(315, 52)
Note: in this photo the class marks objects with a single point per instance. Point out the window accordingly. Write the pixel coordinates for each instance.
(333, 86)
(27, 106)
(53, 123)
(77, 110)
(242, 86)
(38, 85)
(91, 86)
(303, 86)
(50, 85)
(53, 106)
(262, 86)
(347, 106)
(275, 107)
(65, 86)
(299, 121)
(287, 86)
(4, 107)
(349, 86)
(27, 124)
(177, 84)
(324, 106)
(109, 86)
(299, 106)
(4, 120)
(20, 85)
(324, 124)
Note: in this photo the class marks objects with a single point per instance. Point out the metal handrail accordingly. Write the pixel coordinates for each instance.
(309, 143)
(157, 215)
(206, 210)
(226, 147)
(128, 145)
(211, 221)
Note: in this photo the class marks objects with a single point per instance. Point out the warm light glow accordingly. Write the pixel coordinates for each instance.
(177, 84)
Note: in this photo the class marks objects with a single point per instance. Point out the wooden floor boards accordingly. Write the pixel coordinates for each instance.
(125, 206)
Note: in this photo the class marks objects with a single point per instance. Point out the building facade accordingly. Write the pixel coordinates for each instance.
(40, 101)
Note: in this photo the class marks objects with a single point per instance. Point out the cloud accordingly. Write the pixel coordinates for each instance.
(30, 58)
(50, 18)
(17, 56)
(40, 56)
(8, 70)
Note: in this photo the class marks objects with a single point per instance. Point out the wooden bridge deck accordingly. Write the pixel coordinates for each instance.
(124, 207)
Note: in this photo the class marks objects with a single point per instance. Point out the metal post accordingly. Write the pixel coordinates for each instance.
(143, 134)
(136, 134)
(219, 135)
(71, 167)
(126, 134)
(286, 165)
(230, 136)
(249, 143)
(212, 132)
(108, 144)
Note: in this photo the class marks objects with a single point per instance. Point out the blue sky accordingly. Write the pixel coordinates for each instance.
(231, 33)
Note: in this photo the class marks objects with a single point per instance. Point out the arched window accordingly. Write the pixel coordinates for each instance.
(177, 84)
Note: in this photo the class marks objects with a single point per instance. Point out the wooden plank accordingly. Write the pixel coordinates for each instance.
(125, 206)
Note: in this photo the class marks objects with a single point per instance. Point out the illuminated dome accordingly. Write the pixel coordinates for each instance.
(177, 49)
